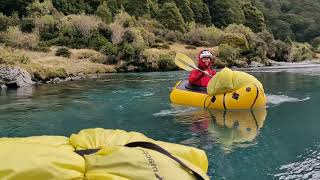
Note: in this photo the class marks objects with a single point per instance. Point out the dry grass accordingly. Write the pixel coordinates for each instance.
(47, 65)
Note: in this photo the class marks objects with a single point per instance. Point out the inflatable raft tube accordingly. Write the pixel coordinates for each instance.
(247, 97)
(99, 154)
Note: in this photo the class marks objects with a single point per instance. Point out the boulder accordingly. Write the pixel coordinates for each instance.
(15, 77)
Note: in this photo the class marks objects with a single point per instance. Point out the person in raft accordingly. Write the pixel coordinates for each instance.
(199, 80)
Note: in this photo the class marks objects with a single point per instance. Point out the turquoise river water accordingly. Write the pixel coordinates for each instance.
(282, 142)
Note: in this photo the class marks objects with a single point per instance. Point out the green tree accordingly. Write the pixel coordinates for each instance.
(138, 7)
(185, 10)
(103, 11)
(282, 30)
(224, 12)
(197, 8)
(171, 18)
(254, 18)
(8, 7)
(206, 18)
(69, 6)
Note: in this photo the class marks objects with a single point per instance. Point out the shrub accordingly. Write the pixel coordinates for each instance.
(228, 53)
(27, 25)
(82, 24)
(166, 62)
(316, 42)
(9, 57)
(63, 51)
(171, 36)
(236, 40)
(15, 38)
(198, 34)
(301, 52)
(104, 13)
(5, 22)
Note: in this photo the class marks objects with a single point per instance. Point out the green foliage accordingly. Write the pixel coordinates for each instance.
(316, 42)
(206, 18)
(199, 35)
(166, 62)
(69, 6)
(128, 52)
(254, 18)
(38, 9)
(228, 53)
(104, 13)
(14, 37)
(197, 8)
(63, 51)
(300, 52)
(5, 22)
(236, 40)
(8, 7)
(185, 10)
(27, 25)
(9, 57)
(138, 7)
(224, 12)
(283, 30)
(171, 18)
(114, 7)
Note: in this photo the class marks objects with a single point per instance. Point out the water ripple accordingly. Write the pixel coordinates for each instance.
(279, 99)
(307, 168)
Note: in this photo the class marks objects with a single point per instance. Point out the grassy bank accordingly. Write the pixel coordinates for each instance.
(45, 66)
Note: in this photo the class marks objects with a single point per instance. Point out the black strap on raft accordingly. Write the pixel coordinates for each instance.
(86, 151)
(147, 145)
(257, 95)
(155, 147)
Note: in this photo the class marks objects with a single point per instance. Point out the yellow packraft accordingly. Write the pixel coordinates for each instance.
(99, 154)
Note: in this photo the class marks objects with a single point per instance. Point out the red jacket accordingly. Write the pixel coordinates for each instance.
(198, 78)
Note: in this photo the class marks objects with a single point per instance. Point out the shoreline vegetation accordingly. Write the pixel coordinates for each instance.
(59, 40)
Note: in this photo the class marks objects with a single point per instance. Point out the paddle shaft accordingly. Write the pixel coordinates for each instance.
(192, 66)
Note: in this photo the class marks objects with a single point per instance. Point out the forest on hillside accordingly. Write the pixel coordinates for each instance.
(244, 30)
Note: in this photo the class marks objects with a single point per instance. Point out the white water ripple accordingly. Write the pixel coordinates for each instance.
(279, 99)
(174, 111)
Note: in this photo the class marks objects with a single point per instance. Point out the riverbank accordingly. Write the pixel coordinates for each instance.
(23, 68)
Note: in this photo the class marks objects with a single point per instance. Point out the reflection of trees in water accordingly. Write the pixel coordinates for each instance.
(230, 129)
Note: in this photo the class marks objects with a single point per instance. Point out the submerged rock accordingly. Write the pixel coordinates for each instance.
(14, 77)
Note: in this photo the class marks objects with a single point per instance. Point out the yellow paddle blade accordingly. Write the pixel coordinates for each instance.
(184, 62)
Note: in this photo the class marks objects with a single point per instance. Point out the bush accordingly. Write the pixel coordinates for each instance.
(301, 52)
(15, 38)
(80, 24)
(27, 25)
(228, 53)
(316, 42)
(171, 36)
(197, 35)
(236, 40)
(166, 62)
(63, 51)
(9, 57)
(5, 22)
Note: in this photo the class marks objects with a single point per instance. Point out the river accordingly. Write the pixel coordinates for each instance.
(281, 142)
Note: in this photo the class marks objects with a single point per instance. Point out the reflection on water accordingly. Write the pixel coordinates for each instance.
(230, 129)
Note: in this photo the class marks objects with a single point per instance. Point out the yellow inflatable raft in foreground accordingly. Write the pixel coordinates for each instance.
(99, 154)
(226, 90)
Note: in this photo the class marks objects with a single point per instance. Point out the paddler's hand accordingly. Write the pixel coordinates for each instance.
(206, 73)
